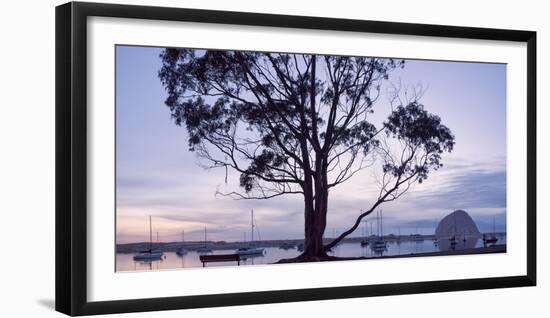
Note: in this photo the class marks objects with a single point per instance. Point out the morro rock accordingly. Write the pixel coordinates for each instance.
(458, 224)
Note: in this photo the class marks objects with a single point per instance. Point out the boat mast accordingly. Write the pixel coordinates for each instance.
(150, 235)
(378, 224)
(371, 227)
(454, 218)
(252, 224)
(381, 225)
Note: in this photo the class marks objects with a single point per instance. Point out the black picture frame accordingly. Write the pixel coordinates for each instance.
(71, 157)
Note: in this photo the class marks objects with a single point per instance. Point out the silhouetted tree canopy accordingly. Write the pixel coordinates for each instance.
(300, 124)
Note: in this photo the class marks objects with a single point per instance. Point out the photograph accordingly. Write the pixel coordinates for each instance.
(229, 157)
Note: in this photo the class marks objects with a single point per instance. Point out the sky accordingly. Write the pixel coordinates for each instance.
(156, 174)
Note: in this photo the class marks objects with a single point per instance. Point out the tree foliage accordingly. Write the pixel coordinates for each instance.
(299, 123)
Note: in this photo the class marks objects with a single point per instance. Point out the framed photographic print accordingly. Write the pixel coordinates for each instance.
(208, 158)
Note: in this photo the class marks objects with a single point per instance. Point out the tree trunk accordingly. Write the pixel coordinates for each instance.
(315, 228)
(316, 186)
(316, 219)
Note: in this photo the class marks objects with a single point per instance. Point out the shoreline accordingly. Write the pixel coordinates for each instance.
(130, 248)
(500, 248)
(221, 245)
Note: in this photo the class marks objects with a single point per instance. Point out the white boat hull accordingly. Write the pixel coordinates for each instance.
(250, 251)
(379, 245)
(148, 256)
(204, 250)
(181, 252)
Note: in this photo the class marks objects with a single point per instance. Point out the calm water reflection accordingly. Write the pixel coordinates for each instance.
(125, 262)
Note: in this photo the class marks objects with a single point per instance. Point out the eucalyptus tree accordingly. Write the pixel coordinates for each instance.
(301, 124)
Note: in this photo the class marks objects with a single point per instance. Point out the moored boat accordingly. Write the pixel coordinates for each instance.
(365, 240)
(251, 249)
(150, 254)
(287, 246)
(205, 248)
(182, 250)
(492, 238)
(379, 245)
(417, 237)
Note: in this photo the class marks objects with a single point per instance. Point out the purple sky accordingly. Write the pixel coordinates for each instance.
(157, 175)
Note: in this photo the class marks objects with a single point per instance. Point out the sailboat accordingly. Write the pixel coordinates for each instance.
(452, 239)
(182, 251)
(417, 236)
(491, 239)
(365, 241)
(204, 249)
(435, 239)
(379, 245)
(149, 255)
(287, 246)
(251, 249)
(398, 236)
